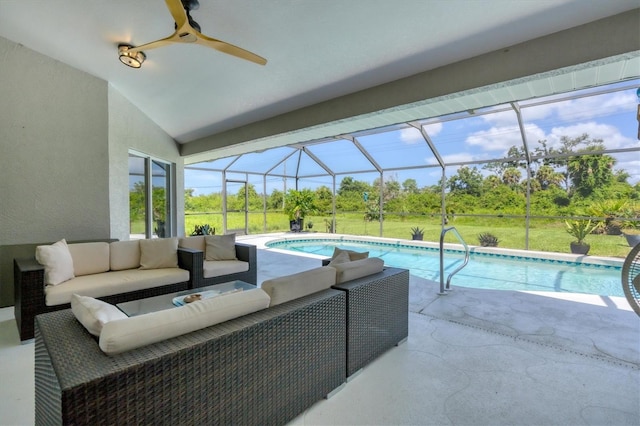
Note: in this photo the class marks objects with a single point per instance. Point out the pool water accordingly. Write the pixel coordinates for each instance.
(488, 271)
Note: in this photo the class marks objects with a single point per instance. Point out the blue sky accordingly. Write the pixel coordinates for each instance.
(610, 117)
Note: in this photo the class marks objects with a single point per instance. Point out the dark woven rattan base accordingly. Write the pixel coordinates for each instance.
(261, 369)
(378, 315)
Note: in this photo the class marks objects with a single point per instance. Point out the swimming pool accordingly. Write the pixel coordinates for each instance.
(485, 270)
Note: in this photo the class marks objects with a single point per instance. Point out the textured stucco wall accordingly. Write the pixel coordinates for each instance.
(129, 128)
(54, 161)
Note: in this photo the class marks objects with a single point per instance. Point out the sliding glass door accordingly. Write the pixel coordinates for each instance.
(150, 206)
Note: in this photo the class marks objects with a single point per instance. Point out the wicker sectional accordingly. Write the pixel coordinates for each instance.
(260, 369)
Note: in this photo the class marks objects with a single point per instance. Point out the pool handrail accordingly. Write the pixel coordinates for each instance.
(443, 289)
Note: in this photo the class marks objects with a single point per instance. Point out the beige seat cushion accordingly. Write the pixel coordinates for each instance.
(124, 255)
(57, 262)
(89, 258)
(123, 335)
(114, 282)
(290, 287)
(357, 269)
(195, 242)
(217, 268)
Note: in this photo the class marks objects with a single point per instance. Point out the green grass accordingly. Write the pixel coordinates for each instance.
(548, 236)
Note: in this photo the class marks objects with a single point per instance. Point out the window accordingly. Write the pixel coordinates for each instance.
(151, 209)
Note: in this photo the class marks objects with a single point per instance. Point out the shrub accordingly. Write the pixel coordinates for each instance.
(487, 239)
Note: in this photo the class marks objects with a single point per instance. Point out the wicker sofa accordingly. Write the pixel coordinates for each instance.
(263, 368)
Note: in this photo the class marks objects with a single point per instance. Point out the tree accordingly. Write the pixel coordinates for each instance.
(466, 181)
(592, 171)
(511, 177)
(324, 199)
(410, 186)
(349, 184)
(547, 177)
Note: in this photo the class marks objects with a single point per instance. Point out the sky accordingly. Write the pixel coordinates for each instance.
(611, 117)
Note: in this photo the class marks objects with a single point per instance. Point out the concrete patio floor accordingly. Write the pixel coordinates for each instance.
(473, 357)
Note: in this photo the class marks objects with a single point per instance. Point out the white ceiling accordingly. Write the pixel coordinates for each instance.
(316, 49)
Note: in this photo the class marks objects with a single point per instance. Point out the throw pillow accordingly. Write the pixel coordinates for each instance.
(353, 255)
(159, 253)
(220, 247)
(93, 313)
(343, 257)
(57, 262)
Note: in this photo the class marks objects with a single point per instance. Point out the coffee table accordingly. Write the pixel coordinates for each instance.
(165, 301)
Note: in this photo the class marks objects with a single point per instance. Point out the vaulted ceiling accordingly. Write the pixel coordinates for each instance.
(334, 66)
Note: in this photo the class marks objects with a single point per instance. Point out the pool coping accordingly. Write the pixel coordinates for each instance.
(553, 257)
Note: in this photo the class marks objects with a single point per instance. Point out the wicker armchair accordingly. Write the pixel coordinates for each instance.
(631, 278)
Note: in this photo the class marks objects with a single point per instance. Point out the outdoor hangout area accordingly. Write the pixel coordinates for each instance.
(357, 212)
(462, 358)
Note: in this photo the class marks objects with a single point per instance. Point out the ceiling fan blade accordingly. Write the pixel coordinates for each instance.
(173, 38)
(230, 49)
(177, 11)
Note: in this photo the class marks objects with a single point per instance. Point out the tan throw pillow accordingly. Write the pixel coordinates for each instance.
(159, 253)
(93, 313)
(57, 262)
(353, 255)
(220, 247)
(343, 257)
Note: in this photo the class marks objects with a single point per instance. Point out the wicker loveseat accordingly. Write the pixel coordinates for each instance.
(262, 368)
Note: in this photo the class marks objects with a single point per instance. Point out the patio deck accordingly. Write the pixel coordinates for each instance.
(480, 357)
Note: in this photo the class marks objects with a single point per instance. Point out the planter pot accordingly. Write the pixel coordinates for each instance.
(579, 248)
(632, 239)
(296, 225)
(416, 237)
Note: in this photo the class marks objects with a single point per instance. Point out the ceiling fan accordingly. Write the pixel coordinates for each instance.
(186, 31)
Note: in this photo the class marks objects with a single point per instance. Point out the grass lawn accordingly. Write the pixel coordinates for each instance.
(547, 236)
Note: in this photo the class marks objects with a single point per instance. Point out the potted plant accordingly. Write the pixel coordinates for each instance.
(632, 235)
(487, 239)
(203, 230)
(579, 229)
(297, 205)
(417, 233)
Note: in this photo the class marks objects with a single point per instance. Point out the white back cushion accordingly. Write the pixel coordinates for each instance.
(159, 253)
(220, 247)
(123, 335)
(57, 262)
(195, 242)
(289, 287)
(89, 258)
(124, 255)
(357, 269)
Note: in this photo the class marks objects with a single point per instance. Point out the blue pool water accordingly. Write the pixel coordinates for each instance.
(489, 271)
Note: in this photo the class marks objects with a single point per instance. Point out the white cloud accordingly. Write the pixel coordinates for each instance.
(411, 135)
(610, 135)
(496, 138)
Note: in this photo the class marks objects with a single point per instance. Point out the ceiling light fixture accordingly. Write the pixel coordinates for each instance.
(130, 59)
